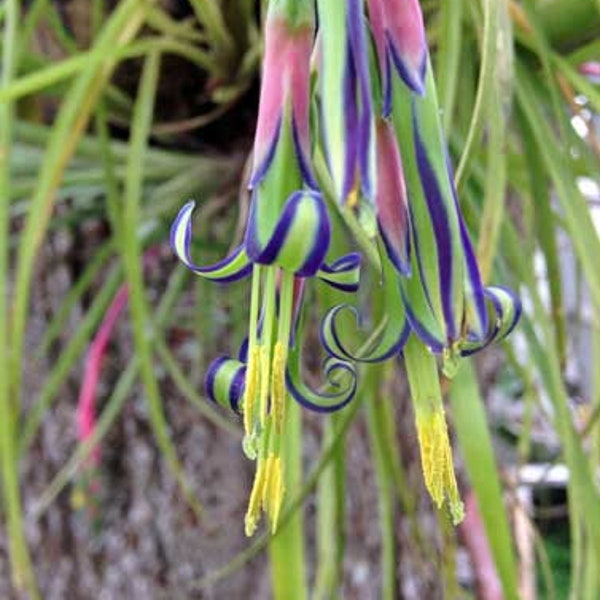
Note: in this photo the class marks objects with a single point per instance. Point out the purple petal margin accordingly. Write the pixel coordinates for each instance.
(268, 255)
(209, 270)
(211, 374)
(348, 262)
(358, 48)
(260, 171)
(492, 334)
(331, 366)
(414, 80)
(438, 212)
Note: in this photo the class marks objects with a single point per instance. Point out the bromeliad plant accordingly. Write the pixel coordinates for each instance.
(376, 118)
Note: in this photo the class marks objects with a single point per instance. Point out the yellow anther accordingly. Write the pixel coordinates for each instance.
(252, 380)
(278, 384)
(256, 498)
(436, 458)
(352, 200)
(265, 367)
(273, 490)
(264, 492)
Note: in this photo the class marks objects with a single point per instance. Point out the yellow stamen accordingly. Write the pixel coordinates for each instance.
(267, 494)
(252, 380)
(278, 385)
(436, 458)
(256, 498)
(265, 366)
(352, 200)
(276, 492)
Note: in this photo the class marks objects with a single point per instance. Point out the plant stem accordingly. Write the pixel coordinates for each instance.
(330, 519)
(22, 573)
(286, 550)
(131, 251)
(374, 406)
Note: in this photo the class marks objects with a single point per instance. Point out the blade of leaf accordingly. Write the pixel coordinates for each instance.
(475, 443)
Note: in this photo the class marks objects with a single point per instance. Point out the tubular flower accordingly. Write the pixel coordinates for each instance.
(428, 258)
(444, 298)
(346, 107)
(286, 241)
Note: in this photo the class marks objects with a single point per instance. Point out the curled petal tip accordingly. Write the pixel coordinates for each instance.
(505, 311)
(300, 239)
(343, 274)
(342, 381)
(225, 382)
(234, 267)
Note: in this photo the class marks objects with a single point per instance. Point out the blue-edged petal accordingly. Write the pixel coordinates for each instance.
(504, 309)
(234, 267)
(444, 220)
(343, 274)
(225, 381)
(346, 109)
(341, 381)
(366, 125)
(300, 239)
(393, 332)
(388, 344)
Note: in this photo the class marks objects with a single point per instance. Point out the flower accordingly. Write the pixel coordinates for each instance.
(379, 127)
(286, 241)
(431, 281)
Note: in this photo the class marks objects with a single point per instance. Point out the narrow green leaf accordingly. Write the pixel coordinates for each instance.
(20, 561)
(132, 262)
(485, 89)
(575, 210)
(373, 406)
(448, 57)
(475, 443)
(286, 549)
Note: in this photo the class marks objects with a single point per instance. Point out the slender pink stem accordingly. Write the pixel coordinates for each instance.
(86, 407)
(475, 539)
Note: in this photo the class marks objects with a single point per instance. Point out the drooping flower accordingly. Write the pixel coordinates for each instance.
(286, 241)
(449, 311)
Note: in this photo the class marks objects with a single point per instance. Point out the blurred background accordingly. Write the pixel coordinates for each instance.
(120, 480)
